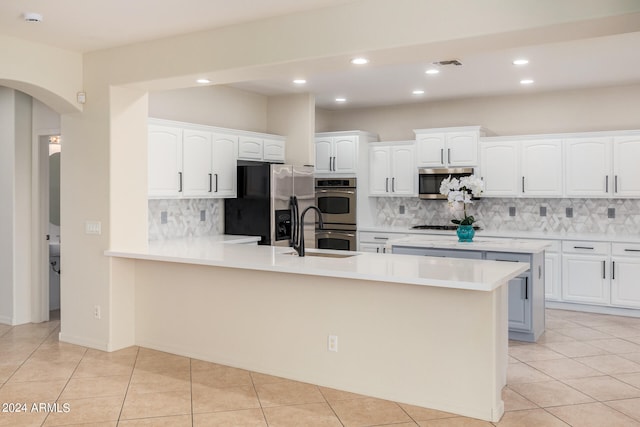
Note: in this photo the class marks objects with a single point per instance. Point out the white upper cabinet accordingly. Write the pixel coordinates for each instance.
(336, 154)
(250, 148)
(588, 167)
(499, 168)
(447, 147)
(626, 169)
(273, 150)
(392, 169)
(259, 148)
(224, 170)
(541, 168)
(196, 163)
(164, 161)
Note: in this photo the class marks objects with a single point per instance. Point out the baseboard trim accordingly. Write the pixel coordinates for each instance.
(98, 345)
(615, 311)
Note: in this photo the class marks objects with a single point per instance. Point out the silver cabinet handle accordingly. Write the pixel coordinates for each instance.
(216, 182)
(606, 184)
(632, 250)
(180, 179)
(380, 238)
(448, 155)
(442, 156)
(583, 247)
(210, 183)
(393, 185)
(526, 288)
(386, 185)
(523, 184)
(604, 266)
(615, 184)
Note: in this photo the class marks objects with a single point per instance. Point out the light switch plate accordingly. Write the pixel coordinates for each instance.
(93, 227)
(611, 213)
(512, 211)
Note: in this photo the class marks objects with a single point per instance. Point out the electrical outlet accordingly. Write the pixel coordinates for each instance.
(203, 215)
(512, 211)
(569, 212)
(401, 209)
(611, 213)
(332, 343)
(543, 211)
(96, 312)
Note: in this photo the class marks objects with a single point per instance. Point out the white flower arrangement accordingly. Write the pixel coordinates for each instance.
(459, 193)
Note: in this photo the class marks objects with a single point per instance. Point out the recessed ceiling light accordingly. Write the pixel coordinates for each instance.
(203, 81)
(526, 81)
(432, 71)
(418, 92)
(521, 61)
(359, 61)
(341, 99)
(299, 81)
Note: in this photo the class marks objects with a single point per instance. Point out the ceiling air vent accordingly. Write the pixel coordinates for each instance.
(448, 62)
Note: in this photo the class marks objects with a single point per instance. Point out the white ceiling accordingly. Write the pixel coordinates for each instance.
(84, 25)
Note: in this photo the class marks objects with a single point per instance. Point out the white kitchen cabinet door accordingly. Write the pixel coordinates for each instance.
(588, 167)
(379, 170)
(625, 287)
(324, 155)
(345, 154)
(375, 248)
(430, 150)
(250, 148)
(626, 172)
(403, 170)
(224, 168)
(462, 149)
(552, 276)
(585, 279)
(273, 150)
(541, 168)
(499, 168)
(164, 161)
(196, 164)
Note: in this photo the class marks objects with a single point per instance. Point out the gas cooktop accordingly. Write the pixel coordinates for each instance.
(438, 227)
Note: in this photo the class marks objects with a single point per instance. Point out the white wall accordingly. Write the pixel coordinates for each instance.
(211, 105)
(15, 210)
(610, 108)
(294, 117)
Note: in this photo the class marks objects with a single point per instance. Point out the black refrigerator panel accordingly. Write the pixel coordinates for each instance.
(254, 180)
(248, 217)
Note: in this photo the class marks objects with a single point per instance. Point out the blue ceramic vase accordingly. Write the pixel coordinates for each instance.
(465, 233)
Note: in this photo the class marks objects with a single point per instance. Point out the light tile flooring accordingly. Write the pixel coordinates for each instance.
(584, 371)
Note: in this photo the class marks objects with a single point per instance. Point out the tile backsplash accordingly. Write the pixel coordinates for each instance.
(175, 218)
(603, 216)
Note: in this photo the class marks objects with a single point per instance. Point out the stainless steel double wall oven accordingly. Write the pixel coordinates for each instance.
(336, 198)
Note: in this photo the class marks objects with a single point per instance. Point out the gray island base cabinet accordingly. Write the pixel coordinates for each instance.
(526, 292)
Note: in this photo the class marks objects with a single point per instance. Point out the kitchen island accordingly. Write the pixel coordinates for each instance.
(526, 291)
(425, 331)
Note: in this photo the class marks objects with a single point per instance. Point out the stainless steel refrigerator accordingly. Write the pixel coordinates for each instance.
(262, 207)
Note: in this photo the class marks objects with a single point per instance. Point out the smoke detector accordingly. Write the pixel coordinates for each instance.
(32, 17)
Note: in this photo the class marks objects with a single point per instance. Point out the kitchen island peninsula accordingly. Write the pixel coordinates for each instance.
(526, 291)
(421, 330)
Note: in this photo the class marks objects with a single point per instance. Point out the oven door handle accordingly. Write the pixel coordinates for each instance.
(336, 191)
(321, 232)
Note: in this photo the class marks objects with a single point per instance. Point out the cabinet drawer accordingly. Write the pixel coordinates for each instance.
(626, 249)
(373, 237)
(585, 247)
(501, 256)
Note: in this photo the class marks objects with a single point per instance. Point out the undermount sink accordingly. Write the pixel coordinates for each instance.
(323, 254)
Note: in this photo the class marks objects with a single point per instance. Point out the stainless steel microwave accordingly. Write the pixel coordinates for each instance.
(429, 180)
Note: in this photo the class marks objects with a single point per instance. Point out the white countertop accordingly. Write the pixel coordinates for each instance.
(405, 269)
(597, 237)
(478, 244)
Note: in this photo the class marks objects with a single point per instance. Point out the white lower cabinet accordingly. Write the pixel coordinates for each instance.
(375, 242)
(586, 275)
(625, 271)
(553, 272)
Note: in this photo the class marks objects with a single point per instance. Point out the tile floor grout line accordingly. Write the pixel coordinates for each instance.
(124, 399)
(193, 421)
(330, 407)
(255, 390)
